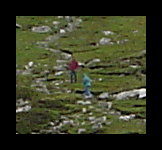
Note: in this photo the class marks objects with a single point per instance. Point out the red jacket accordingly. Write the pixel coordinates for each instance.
(73, 65)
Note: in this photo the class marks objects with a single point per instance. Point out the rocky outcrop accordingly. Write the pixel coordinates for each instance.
(105, 41)
(105, 105)
(139, 93)
(104, 96)
(107, 33)
(84, 102)
(18, 26)
(96, 60)
(22, 106)
(41, 29)
(127, 117)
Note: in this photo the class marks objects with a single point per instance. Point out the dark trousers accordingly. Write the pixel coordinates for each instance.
(73, 76)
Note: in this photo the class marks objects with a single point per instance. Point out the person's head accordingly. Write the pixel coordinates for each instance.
(73, 58)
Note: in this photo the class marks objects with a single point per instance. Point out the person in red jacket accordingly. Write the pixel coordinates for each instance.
(73, 65)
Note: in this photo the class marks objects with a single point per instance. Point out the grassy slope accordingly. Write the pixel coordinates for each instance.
(89, 31)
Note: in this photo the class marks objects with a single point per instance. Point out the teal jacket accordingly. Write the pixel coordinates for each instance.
(86, 81)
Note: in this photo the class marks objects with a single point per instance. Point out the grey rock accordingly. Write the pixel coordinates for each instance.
(127, 117)
(143, 52)
(122, 41)
(81, 64)
(55, 22)
(68, 122)
(23, 109)
(104, 96)
(68, 91)
(21, 102)
(18, 26)
(45, 65)
(109, 105)
(83, 123)
(59, 68)
(79, 20)
(62, 31)
(87, 103)
(42, 43)
(113, 112)
(104, 118)
(53, 50)
(60, 17)
(126, 61)
(59, 73)
(107, 33)
(106, 105)
(97, 126)
(49, 38)
(101, 119)
(84, 102)
(134, 66)
(80, 102)
(46, 71)
(135, 31)
(66, 56)
(91, 107)
(26, 72)
(57, 84)
(70, 27)
(43, 89)
(41, 29)
(67, 18)
(140, 93)
(18, 72)
(108, 123)
(105, 41)
(38, 80)
(76, 23)
(84, 110)
(46, 131)
(51, 123)
(64, 117)
(93, 61)
(35, 133)
(91, 118)
(26, 67)
(100, 79)
(30, 64)
(61, 61)
(81, 130)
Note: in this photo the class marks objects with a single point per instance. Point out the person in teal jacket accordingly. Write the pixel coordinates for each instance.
(87, 84)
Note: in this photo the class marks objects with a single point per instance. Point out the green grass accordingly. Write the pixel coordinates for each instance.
(137, 107)
(46, 108)
(135, 126)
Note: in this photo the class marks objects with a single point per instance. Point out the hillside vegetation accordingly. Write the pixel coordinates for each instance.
(110, 49)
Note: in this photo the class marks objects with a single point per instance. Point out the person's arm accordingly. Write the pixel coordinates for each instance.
(77, 65)
(69, 65)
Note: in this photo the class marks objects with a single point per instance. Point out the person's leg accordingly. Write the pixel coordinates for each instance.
(86, 90)
(75, 76)
(71, 76)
